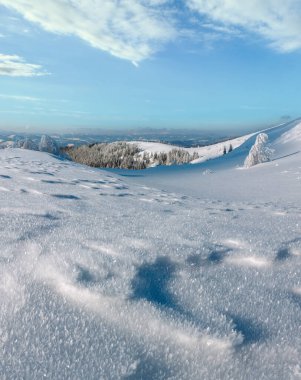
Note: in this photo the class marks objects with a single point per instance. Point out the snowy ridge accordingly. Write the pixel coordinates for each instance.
(290, 141)
(205, 153)
(171, 274)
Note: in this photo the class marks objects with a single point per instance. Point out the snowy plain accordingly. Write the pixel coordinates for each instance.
(187, 272)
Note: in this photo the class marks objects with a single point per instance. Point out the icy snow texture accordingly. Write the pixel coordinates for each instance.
(168, 274)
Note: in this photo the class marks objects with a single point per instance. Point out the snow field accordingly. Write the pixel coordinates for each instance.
(104, 276)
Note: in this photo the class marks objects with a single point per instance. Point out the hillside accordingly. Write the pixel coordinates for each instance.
(226, 175)
(205, 152)
(184, 272)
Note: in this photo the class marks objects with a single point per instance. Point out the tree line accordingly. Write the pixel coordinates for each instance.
(126, 156)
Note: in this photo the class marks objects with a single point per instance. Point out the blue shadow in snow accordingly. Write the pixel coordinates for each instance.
(65, 196)
(252, 331)
(151, 282)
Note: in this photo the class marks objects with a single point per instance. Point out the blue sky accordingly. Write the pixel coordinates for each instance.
(122, 64)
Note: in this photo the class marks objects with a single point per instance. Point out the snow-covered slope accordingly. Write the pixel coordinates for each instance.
(243, 143)
(288, 142)
(192, 272)
(205, 152)
(226, 173)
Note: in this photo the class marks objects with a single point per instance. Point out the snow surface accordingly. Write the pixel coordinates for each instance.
(190, 272)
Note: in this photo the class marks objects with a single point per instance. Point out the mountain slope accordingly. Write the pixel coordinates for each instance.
(224, 177)
(205, 152)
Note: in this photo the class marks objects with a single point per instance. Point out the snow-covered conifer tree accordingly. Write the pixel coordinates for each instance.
(26, 144)
(47, 144)
(259, 152)
(29, 144)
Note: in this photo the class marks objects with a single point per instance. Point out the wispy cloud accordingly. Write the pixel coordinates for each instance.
(277, 21)
(128, 29)
(135, 29)
(21, 98)
(15, 66)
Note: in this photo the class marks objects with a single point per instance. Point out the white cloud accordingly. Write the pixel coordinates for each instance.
(15, 66)
(128, 29)
(135, 29)
(278, 21)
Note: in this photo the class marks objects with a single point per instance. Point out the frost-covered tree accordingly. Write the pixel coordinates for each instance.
(47, 144)
(259, 152)
(26, 144)
(195, 156)
(29, 144)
